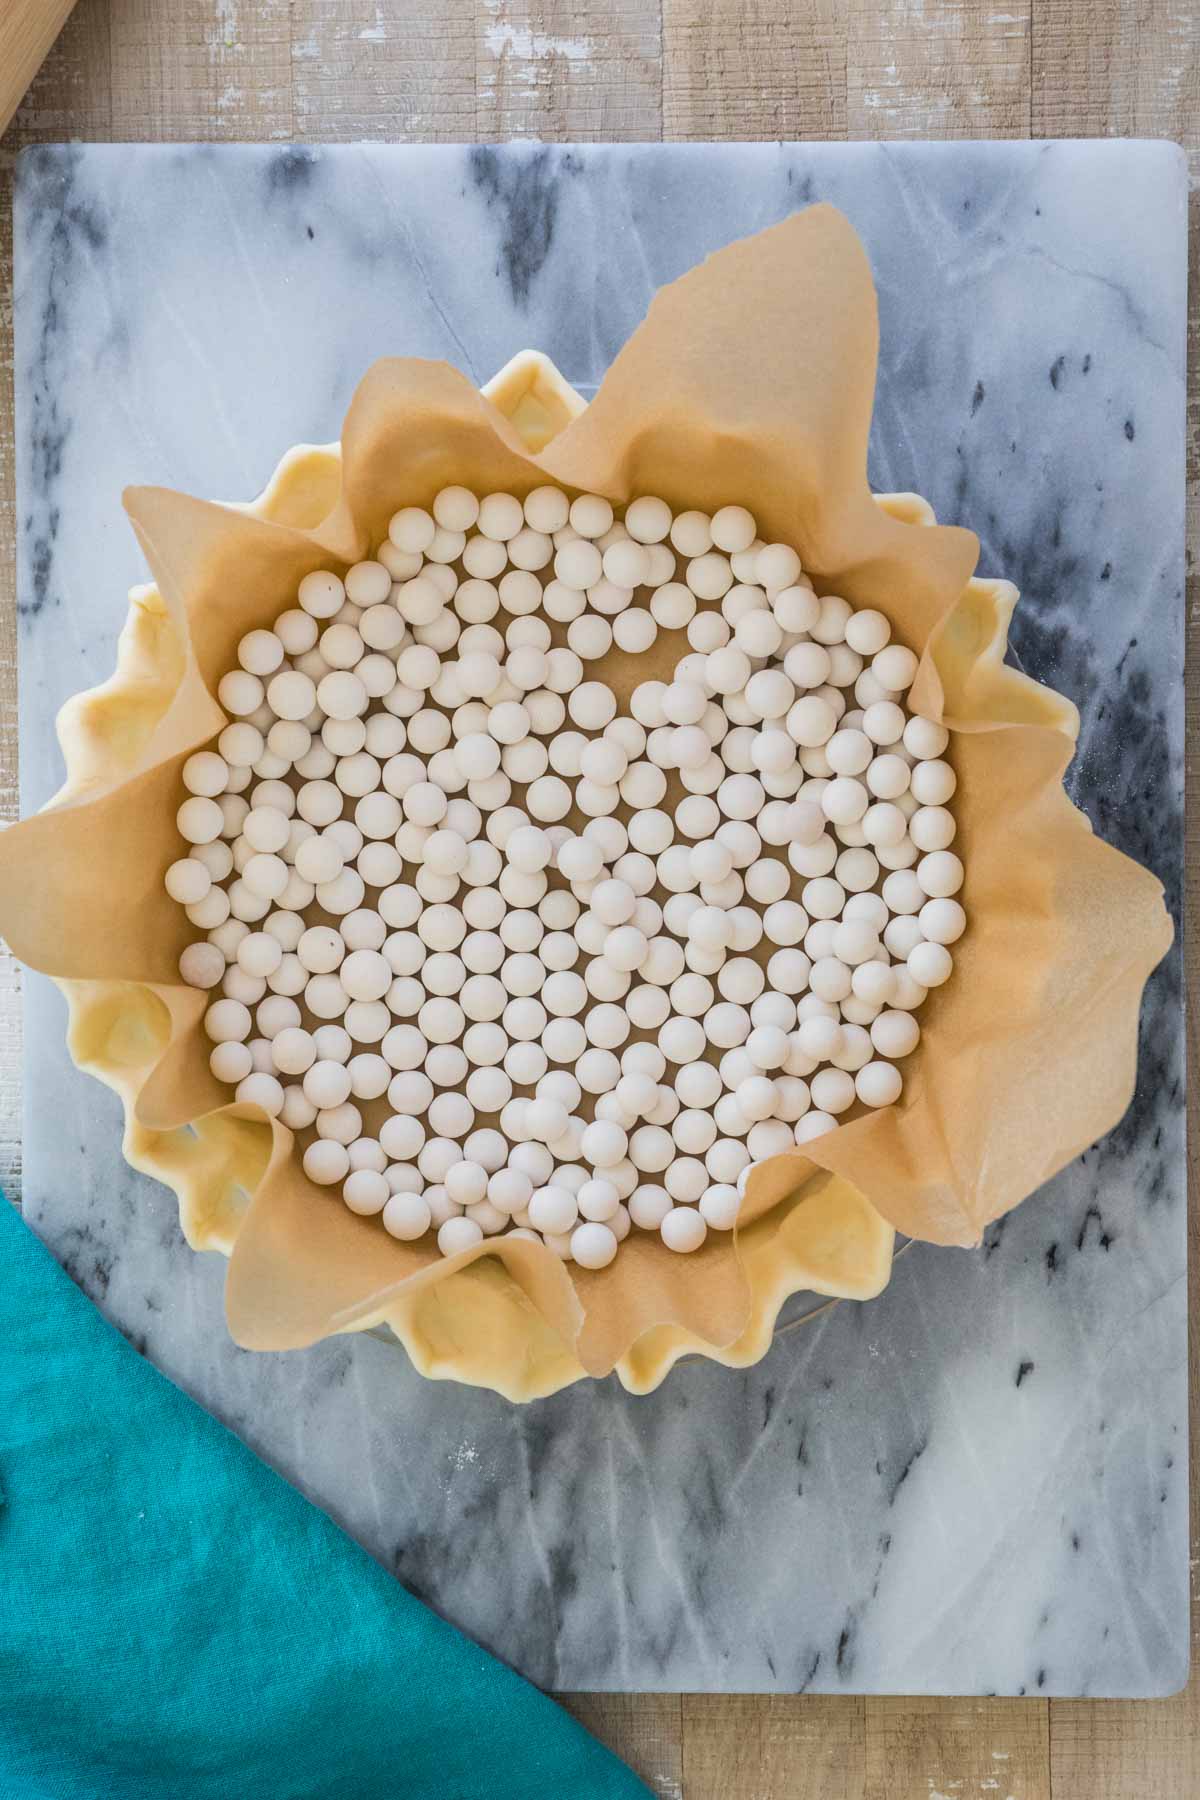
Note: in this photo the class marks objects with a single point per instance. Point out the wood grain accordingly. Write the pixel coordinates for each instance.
(951, 1748)
(944, 69)
(762, 69)
(569, 70)
(27, 30)
(773, 1747)
(1117, 68)
(450, 70)
(363, 71)
(190, 70)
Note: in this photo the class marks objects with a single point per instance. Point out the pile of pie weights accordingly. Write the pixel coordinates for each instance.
(480, 1018)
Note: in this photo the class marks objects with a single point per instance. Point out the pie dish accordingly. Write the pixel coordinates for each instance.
(1015, 1078)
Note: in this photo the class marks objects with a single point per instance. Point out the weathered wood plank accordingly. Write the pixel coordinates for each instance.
(192, 70)
(570, 71)
(384, 71)
(773, 1747)
(952, 1748)
(765, 69)
(943, 69)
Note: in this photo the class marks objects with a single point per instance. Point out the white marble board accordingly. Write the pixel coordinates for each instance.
(978, 1483)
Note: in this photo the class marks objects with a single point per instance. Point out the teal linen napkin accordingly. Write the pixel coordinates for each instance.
(176, 1621)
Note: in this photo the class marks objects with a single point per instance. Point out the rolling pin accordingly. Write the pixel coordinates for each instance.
(27, 30)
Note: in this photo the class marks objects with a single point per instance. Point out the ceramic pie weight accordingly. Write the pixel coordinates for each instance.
(751, 381)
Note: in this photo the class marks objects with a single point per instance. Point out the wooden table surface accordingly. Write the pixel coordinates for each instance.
(330, 71)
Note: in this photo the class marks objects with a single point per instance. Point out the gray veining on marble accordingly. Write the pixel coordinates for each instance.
(978, 1483)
